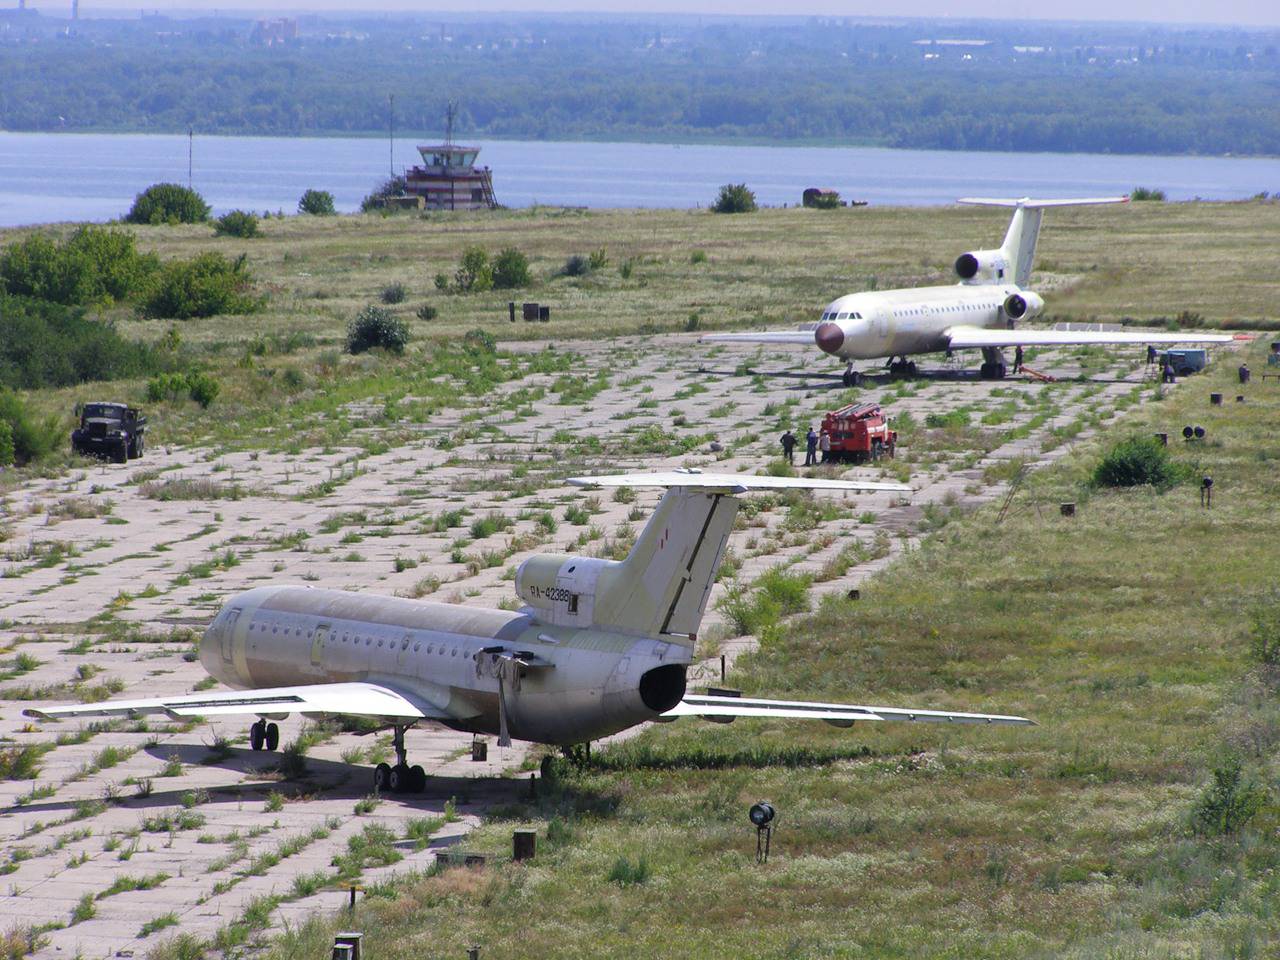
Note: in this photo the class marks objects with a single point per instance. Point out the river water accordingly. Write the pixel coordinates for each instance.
(46, 178)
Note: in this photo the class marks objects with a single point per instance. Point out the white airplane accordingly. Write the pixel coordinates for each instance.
(980, 312)
(603, 645)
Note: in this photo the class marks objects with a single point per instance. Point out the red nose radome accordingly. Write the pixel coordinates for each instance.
(829, 337)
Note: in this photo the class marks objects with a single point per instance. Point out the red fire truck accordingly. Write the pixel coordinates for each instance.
(859, 432)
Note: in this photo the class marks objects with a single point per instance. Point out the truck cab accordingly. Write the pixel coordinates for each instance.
(108, 430)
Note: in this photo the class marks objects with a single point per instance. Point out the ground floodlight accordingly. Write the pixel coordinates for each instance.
(762, 813)
(1188, 433)
(1199, 432)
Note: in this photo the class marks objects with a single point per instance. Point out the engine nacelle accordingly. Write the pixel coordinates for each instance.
(1019, 306)
(564, 586)
(982, 266)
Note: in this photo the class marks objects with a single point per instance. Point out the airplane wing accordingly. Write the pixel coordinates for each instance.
(1038, 204)
(763, 336)
(725, 709)
(361, 699)
(965, 337)
(734, 482)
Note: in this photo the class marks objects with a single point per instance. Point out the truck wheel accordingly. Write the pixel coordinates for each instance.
(120, 454)
(131, 450)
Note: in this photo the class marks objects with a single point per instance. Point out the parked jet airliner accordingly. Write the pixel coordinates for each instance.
(981, 311)
(602, 645)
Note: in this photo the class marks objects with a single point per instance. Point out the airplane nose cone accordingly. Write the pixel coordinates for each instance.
(829, 337)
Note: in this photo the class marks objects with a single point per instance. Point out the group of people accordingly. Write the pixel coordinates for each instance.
(814, 443)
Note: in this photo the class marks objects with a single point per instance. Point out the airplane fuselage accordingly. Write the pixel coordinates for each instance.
(894, 323)
(597, 683)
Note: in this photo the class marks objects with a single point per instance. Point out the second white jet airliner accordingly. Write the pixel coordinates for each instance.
(981, 311)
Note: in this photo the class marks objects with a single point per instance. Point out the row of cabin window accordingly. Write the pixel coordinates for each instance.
(920, 310)
(368, 641)
(833, 315)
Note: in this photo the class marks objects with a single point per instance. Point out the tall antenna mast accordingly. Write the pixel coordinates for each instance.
(391, 134)
(191, 140)
(450, 114)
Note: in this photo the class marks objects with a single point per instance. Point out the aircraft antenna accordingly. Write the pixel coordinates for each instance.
(450, 115)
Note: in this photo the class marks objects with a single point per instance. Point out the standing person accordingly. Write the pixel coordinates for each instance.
(810, 447)
(824, 444)
(1168, 371)
(1017, 359)
(789, 446)
(1151, 355)
(1244, 373)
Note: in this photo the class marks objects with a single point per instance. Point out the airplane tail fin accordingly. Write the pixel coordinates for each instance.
(661, 588)
(1019, 247)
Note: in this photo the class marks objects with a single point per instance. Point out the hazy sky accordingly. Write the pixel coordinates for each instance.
(1242, 12)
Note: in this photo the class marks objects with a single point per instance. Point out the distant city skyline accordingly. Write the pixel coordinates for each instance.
(1248, 13)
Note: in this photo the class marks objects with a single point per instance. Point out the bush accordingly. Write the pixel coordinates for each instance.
(6, 444)
(30, 439)
(1228, 803)
(626, 874)
(376, 327)
(204, 287)
(427, 312)
(168, 203)
(318, 203)
(237, 223)
(1264, 631)
(480, 341)
(94, 265)
(599, 259)
(576, 266)
(474, 273)
(824, 201)
(734, 198)
(393, 293)
(200, 387)
(48, 345)
(1135, 462)
(510, 269)
(394, 187)
(1143, 193)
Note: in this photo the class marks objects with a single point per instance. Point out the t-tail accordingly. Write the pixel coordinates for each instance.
(661, 589)
(1014, 259)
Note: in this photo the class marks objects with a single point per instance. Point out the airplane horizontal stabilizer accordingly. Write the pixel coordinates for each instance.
(352, 699)
(961, 338)
(840, 714)
(1029, 204)
(733, 483)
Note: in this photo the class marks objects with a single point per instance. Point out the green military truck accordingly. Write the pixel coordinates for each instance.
(109, 431)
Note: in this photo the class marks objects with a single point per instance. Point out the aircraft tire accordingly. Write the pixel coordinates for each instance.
(273, 736)
(382, 777)
(257, 736)
(400, 779)
(417, 779)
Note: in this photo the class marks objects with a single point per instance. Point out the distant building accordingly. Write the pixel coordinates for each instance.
(450, 180)
(274, 33)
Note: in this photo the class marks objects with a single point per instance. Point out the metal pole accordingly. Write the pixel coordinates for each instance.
(391, 134)
(191, 139)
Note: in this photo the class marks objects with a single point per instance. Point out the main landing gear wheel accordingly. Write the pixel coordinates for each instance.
(264, 736)
(401, 778)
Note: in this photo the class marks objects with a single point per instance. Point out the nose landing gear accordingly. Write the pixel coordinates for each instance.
(401, 778)
(852, 378)
(264, 736)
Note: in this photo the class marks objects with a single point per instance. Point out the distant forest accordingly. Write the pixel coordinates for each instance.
(984, 85)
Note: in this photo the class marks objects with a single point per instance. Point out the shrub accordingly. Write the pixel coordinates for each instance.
(576, 266)
(1143, 193)
(1135, 462)
(823, 201)
(599, 259)
(46, 344)
(626, 874)
(393, 293)
(427, 312)
(94, 265)
(510, 269)
(237, 223)
(1264, 630)
(734, 198)
(31, 439)
(480, 341)
(1228, 803)
(318, 203)
(204, 287)
(395, 187)
(376, 327)
(474, 273)
(203, 388)
(200, 387)
(6, 444)
(168, 203)
(697, 257)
